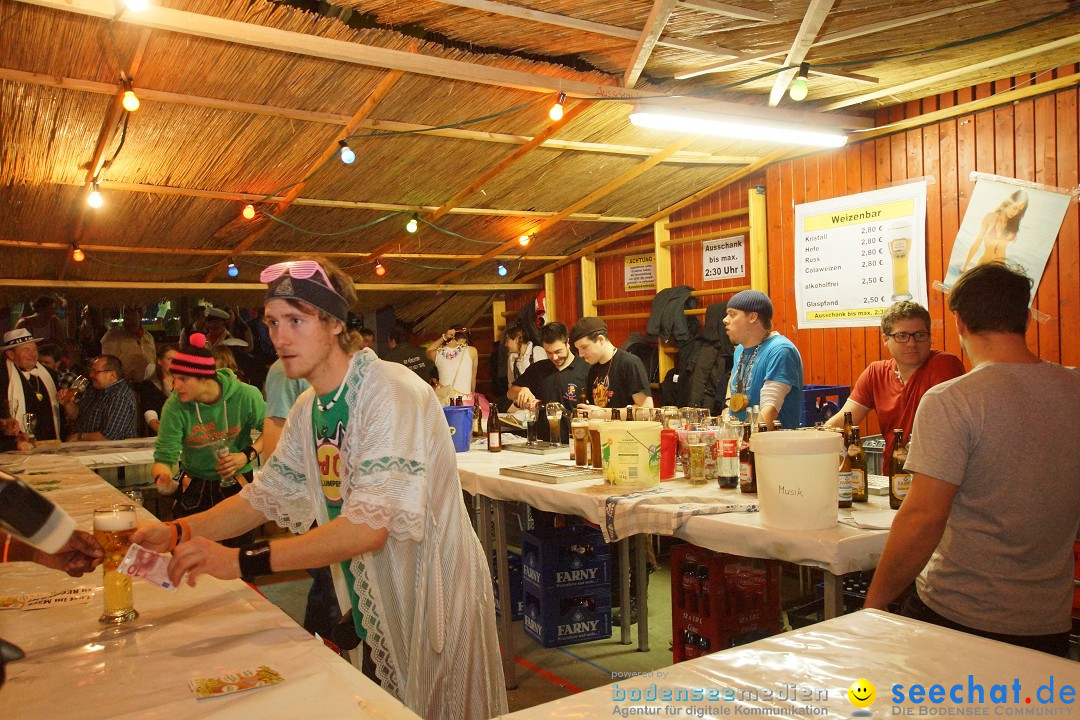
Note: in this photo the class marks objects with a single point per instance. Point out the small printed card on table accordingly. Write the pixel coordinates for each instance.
(240, 681)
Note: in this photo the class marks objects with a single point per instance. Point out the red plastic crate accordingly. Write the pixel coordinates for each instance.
(721, 597)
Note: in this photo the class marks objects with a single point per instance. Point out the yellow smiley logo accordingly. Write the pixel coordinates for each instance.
(862, 693)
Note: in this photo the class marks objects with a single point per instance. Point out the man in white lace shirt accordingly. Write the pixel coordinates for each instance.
(367, 453)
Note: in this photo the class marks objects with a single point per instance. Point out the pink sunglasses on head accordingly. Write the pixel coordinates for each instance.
(300, 269)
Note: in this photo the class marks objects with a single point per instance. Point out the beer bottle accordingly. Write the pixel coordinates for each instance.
(494, 430)
(857, 456)
(845, 481)
(899, 479)
(747, 469)
(776, 425)
(763, 427)
(478, 421)
(847, 429)
(615, 415)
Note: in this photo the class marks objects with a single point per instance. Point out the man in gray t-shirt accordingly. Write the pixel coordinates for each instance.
(989, 525)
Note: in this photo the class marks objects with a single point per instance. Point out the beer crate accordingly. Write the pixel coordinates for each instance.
(516, 590)
(565, 617)
(716, 598)
(564, 558)
(819, 403)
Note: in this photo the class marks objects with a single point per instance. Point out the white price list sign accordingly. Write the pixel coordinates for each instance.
(857, 255)
(723, 258)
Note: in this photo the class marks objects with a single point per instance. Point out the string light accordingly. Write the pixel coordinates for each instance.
(94, 199)
(414, 223)
(76, 252)
(501, 269)
(233, 270)
(130, 101)
(347, 154)
(556, 111)
(524, 240)
(249, 211)
(379, 269)
(798, 89)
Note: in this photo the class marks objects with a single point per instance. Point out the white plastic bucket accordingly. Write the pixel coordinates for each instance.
(631, 452)
(797, 478)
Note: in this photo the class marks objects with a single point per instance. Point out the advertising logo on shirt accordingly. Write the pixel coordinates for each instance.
(571, 394)
(328, 454)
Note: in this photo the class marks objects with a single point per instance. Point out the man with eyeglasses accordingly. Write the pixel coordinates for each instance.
(367, 453)
(893, 388)
(108, 410)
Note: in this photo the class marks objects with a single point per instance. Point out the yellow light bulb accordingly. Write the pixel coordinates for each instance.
(78, 255)
(131, 103)
(798, 89)
(524, 240)
(249, 212)
(94, 199)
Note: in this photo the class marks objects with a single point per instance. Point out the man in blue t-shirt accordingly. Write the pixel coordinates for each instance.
(768, 368)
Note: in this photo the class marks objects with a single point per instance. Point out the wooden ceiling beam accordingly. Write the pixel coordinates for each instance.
(267, 38)
(108, 129)
(370, 102)
(719, 8)
(959, 72)
(492, 172)
(214, 252)
(149, 95)
(161, 287)
(856, 32)
(804, 39)
(583, 202)
(654, 25)
(352, 205)
(647, 222)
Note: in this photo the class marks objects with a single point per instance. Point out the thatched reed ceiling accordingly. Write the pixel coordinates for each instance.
(230, 115)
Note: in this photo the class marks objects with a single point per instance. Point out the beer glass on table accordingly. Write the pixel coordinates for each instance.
(579, 428)
(554, 412)
(530, 414)
(113, 526)
(30, 424)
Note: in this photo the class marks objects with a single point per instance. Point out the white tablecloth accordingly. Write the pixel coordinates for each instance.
(78, 668)
(814, 667)
(839, 550)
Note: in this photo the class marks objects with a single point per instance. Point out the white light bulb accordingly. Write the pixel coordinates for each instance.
(136, 5)
(94, 199)
(798, 89)
(347, 155)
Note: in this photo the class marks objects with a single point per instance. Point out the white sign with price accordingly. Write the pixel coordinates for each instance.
(857, 255)
(723, 258)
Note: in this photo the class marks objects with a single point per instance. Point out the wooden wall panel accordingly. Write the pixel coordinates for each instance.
(1033, 140)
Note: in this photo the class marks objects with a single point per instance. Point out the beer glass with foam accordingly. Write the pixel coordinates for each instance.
(113, 526)
(898, 240)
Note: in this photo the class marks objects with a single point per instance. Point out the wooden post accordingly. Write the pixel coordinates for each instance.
(588, 287)
(667, 352)
(549, 297)
(498, 320)
(759, 243)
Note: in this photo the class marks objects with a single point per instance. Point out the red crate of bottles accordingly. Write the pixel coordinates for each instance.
(716, 597)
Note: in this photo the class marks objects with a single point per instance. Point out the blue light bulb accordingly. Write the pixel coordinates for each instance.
(501, 269)
(347, 154)
(233, 270)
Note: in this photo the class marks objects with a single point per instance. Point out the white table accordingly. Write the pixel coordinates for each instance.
(839, 550)
(96, 454)
(76, 667)
(817, 664)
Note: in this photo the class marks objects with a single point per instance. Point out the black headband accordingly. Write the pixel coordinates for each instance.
(310, 291)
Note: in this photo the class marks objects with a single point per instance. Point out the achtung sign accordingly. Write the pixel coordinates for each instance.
(639, 272)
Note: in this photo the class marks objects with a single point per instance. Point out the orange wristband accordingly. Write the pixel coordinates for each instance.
(183, 525)
(7, 546)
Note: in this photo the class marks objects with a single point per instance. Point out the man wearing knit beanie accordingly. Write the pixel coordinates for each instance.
(768, 368)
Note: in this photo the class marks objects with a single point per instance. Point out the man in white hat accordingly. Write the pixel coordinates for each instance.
(28, 387)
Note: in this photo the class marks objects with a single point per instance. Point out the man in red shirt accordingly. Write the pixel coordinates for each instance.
(894, 387)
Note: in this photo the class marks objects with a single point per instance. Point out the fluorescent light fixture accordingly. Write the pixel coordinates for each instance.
(699, 123)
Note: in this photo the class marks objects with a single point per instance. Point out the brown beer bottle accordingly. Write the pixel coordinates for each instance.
(615, 415)
(899, 479)
(478, 420)
(494, 430)
(747, 468)
(847, 429)
(844, 478)
(857, 456)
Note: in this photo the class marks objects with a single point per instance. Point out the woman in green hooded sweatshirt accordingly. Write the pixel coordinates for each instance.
(206, 427)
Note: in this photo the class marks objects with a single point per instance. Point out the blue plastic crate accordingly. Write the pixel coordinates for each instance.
(822, 401)
(516, 602)
(565, 617)
(562, 558)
